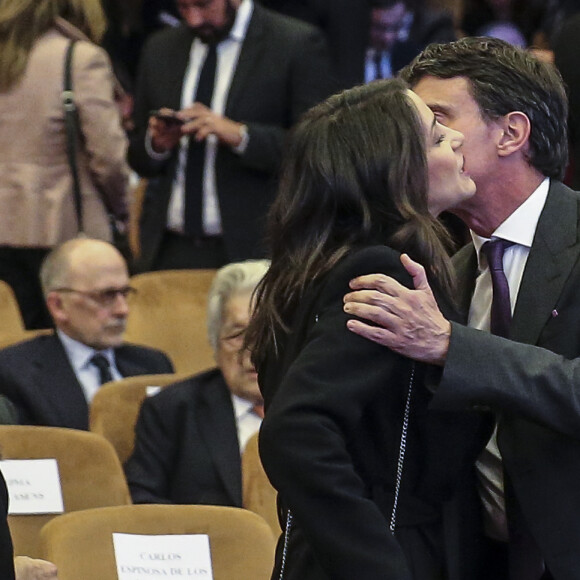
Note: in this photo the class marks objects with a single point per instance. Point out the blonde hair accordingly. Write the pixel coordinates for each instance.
(22, 22)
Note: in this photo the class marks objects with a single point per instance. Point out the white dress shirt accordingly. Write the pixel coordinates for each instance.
(520, 228)
(88, 374)
(377, 65)
(247, 422)
(228, 52)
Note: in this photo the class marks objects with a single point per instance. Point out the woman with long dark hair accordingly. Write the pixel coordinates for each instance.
(361, 465)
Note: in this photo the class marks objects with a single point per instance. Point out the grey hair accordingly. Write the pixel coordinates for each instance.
(232, 279)
(55, 268)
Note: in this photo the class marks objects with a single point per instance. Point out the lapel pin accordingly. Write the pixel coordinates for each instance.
(554, 313)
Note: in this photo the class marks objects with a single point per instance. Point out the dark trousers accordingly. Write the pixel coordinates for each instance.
(496, 558)
(20, 267)
(178, 252)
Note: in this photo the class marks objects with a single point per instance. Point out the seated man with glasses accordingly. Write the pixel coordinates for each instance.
(190, 436)
(52, 379)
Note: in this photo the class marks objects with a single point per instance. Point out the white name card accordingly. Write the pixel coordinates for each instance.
(176, 556)
(152, 390)
(33, 486)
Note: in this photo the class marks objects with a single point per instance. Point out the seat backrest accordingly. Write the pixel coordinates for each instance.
(8, 338)
(90, 474)
(80, 544)
(12, 322)
(169, 312)
(115, 407)
(258, 495)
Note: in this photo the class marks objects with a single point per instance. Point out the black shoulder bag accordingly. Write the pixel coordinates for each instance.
(72, 135)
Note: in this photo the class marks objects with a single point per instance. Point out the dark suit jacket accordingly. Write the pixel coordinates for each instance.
(345, 24)
(534, 390)
(428, 26)
(37, 377)
(186, 446)
(330, 442)
(6, 552)
(283, 70)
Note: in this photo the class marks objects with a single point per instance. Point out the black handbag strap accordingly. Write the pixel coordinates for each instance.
(72, 132)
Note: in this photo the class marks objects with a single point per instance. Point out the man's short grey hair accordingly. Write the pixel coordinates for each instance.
(235, 278)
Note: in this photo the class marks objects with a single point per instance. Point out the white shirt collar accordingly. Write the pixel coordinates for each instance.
(243, 16)
(241, 406)
(80, 354)
(520, 226)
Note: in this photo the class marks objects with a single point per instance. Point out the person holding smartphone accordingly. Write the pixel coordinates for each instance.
(227, 84)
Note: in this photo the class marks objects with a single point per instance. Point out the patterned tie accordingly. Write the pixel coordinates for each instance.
(102, 363)
(501, 313)
(193, 225)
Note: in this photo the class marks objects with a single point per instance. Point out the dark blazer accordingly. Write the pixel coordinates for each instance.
(186, 446)
(534, 390)
(37, 377)
(345, 24)
(6, 551)
(331, 436)
(283, 70)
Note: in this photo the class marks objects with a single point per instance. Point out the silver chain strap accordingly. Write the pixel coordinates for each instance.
(402, 449)
(286, 539)
(400, 463)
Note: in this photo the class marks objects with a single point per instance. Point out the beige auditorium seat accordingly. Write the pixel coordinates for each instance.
(258, 495)
(12, 327)
(169, 312)
(115, 407)
(80, 544)
(90, 474)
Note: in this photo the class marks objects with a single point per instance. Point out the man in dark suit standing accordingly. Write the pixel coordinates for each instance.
(51, 379)
(399, 30)
(229, 83)
(189, 437)
(512, 110)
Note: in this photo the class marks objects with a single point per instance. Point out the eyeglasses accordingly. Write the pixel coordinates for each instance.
(234, 341)
(106, 297)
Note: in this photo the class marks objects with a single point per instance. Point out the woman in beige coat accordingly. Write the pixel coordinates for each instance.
(37, 209)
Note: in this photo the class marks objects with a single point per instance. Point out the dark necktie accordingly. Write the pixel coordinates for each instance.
(501, 313)
(524, 554)
(196, 152)
(377, 61)
(102, 363)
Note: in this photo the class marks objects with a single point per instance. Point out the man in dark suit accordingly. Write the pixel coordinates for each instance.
(51, 379)
(399, 30)
(189, 437)
(238, 76)
(512, 110)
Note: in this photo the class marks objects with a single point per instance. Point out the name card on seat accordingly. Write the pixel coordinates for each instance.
(179, 556)
(152, 390)
(33, 486)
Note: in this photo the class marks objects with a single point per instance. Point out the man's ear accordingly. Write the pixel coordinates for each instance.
(55, 307)
(516, 134)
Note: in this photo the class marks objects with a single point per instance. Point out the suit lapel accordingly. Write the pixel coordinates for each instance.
(126, 365)
(465, 263)
(175, 70)
(554, 252)
(250, 54)
(57, 385)
(218, 428)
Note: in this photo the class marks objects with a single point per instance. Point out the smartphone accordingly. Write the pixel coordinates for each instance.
(168, 118)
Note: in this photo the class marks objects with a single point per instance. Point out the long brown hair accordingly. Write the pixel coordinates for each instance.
(22, 22)
(354, 173)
